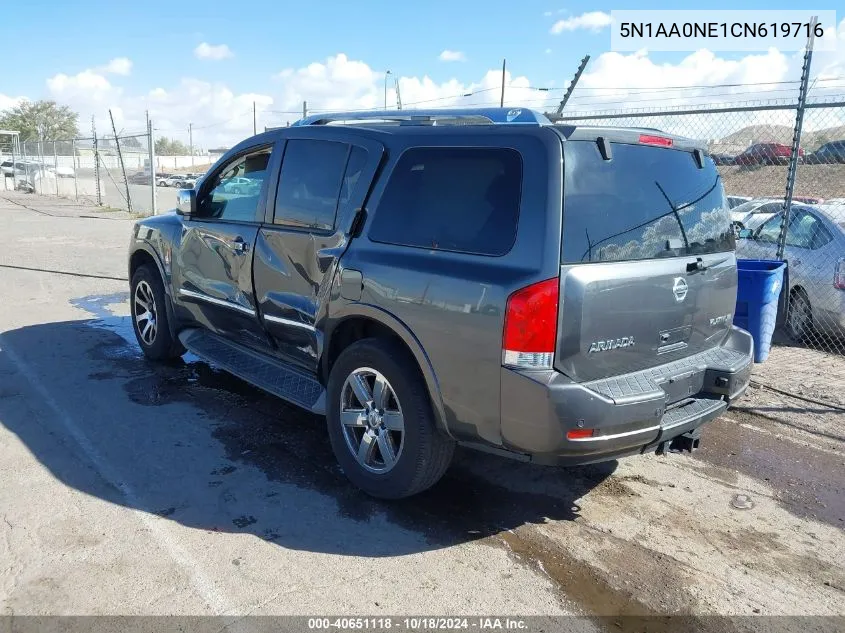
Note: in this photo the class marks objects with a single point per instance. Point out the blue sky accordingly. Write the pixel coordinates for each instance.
(273, 48)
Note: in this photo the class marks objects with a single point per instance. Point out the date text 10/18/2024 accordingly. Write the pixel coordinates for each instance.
(418, 623)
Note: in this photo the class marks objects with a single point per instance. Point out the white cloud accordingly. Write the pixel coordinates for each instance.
(592, 21)
(452, 56)
(215, 52)
(7, 102)
(547, 14)
(222, 116)
(548, 51)
(118, 66)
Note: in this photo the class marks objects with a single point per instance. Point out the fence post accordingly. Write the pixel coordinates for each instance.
(14, 169)
(96, 163)
(73, 157)
(41, 166)
(796, 138)
(122, 166)
(56, 167)
(152, 147)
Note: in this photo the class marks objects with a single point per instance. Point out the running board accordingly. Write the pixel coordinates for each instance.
(269, 374)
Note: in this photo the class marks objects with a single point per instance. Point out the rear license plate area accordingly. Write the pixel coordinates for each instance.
(682, 386)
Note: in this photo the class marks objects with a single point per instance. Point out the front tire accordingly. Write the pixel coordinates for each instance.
(381, 423)
(149, 316)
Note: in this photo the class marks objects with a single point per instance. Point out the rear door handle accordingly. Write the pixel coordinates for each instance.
(239, 245)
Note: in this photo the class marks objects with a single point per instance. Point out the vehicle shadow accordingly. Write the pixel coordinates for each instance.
(204, 449)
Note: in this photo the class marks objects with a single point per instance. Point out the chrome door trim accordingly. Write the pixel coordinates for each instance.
(215, 301)
(283, 321)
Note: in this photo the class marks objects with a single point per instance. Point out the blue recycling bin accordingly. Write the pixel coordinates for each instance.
(760, 282)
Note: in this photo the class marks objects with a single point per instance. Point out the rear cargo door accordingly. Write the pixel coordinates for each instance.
(648, 272)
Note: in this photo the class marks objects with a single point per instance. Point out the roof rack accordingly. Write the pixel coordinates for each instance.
(457, 116)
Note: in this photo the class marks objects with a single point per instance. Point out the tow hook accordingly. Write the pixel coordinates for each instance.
(686, 442)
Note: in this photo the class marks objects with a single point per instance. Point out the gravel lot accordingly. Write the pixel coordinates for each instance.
(129, 488)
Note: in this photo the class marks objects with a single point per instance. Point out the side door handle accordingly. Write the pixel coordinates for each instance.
(238, 245)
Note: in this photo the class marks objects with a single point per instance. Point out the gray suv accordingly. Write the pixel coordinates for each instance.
(546, 292)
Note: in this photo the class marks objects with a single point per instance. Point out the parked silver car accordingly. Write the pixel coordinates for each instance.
(815, 251)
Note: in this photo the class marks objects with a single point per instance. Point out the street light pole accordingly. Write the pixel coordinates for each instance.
(385, 89)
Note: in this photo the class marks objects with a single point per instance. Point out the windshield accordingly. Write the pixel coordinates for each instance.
(646, 202)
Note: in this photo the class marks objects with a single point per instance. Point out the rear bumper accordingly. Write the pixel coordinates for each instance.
(628, 414)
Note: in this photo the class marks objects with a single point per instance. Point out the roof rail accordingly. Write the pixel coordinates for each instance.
(457, 116)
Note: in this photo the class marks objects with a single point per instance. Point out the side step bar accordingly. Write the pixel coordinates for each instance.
(269, 374)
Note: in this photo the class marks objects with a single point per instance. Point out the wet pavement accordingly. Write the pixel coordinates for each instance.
(133, 487)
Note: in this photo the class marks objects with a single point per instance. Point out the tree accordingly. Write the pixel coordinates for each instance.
(41, 120)
(170, 147)
(130, 142)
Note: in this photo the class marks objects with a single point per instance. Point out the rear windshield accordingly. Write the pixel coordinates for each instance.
(644, 203)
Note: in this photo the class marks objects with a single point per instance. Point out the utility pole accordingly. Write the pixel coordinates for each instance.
(398, 96)
(191, 141)
(254, 126)
(152, 145)
(304, 109)
(122, 166)
(385, 88)
(502, 98)
(574, 81)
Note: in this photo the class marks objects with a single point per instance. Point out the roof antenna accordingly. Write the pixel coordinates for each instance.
(574, 81)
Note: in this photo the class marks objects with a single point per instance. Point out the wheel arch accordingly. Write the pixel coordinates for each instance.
(363, 321)
(146, 255)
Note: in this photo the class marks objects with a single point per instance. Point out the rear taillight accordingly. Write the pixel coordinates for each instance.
(839, 274)
(650, 139)
(531, 326)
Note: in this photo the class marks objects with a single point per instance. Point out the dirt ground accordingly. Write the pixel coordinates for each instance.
(133, 488)
(823, 181)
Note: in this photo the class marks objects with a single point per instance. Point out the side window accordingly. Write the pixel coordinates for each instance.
(770, 231)
(453, 199)
(234, 192)
(772, 207)
(806, 231)
(354, 167)
(310, 183)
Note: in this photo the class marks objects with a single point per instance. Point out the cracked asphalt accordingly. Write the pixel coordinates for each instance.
(136, 489)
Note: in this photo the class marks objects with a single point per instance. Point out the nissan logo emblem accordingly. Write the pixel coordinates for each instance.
(679, 289)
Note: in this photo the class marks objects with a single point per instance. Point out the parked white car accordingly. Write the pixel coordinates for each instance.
(63, 172)
(815, 252)
(175, 180)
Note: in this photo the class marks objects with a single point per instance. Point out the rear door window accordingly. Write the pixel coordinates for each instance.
(644, 203)
(463, 199)
(310, 183)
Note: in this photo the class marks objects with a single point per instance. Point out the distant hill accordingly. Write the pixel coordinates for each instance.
(810, 140)
(760, 134)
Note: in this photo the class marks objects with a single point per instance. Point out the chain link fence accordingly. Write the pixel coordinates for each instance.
(751, 145)
(108, 171)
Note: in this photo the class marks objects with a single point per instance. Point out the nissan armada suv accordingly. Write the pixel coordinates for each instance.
(559, 294)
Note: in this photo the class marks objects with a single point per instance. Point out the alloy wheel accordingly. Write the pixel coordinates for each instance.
(144, 312)
(372, 421)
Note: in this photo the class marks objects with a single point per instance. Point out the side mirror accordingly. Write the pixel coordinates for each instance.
(745, 234)
(186, 202)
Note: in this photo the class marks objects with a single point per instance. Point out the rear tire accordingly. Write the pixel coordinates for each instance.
(799, 318)
(389, 446)
(148, 311)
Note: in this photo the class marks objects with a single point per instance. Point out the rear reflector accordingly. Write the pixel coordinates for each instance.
(662, 141)
(530, 329)
(579, 434)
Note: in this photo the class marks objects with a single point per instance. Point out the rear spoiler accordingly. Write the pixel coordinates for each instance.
(630, 135)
